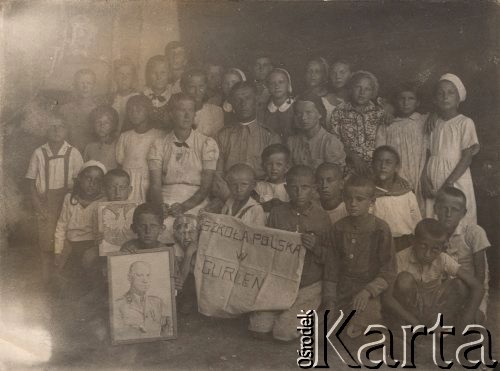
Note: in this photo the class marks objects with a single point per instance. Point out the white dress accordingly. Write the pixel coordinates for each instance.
(132, 150)
(400, 212)
(446, 143)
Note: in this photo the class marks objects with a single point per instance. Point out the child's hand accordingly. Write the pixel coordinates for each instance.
(430, 123)
(360, 301)
(179, 284)
(360, 166)
(99, 238)
(308, 240)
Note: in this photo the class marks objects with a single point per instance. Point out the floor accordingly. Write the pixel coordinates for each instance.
(42, 332)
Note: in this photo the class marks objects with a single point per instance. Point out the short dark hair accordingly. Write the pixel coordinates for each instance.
(389, 149)
(299, 170)
(337, 169)
(242, 85)
(148, 208)
(430, 228)
(116, 173)
(176, 98)
(453, 192)
(406, 86)
(189, 74)
(139, 100)
(360, 181)
(239, 168)
(273, 149)
(318, 103)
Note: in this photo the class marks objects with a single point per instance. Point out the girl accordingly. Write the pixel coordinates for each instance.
(395, 203)
(214, 83)
(158, 91)
(209, 118)
(355, 122)
(230, 78)
(105, 121)
(75, 235)
(176, 56)
(406, 135)
(279, 113)
(125, 75)
(340, 74)
(452, 144)
(317, 83)
(133, 146)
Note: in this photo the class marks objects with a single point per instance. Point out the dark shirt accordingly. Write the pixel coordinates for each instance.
(313, 220)
(359, 255)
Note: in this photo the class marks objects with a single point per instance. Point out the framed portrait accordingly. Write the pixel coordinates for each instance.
(115, 219)
(142, 296)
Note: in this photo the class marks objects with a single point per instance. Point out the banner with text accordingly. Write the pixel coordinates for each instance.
(242, 268)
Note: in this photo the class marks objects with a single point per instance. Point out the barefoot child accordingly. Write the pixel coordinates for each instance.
(133, 146)
(452, 145)
(396, 203)
(303, 216)
(241, 204)
(329, 180)
(360, 263)
(105, 121)
(467, 243)
(425, 285)
(51, 171)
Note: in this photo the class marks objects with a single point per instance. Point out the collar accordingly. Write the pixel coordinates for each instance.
(284, 107)
(462, 225)
(61, 152)
(399, 187)
(415, 116)
(248, 123)
(189, 141)
(227, 107)
(148, 92)
(365, 109)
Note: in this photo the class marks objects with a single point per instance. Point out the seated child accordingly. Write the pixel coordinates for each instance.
(467, 243)
(360, 262)
(304, 216)
(276, 162)
(51, 171)
(240, 204)
(329, 180)
(313, 145)
(117, 185)
(75, 247)
(105, 122)
(419, 292)
(396, 203)
(147, 224)
(186, 235)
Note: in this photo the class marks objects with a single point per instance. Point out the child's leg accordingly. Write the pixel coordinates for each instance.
(187, 302)
(285, 325)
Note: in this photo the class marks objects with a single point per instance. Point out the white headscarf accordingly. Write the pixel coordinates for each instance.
(93, 163)
(455, 80)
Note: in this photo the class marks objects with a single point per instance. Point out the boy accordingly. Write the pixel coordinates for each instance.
(303, 216)
(117, 185)
(147, 224)
(360, 262)
(241, 204)
(125, 78)
(329, 180)
(419, 292)
(51, 171)
(467, 243)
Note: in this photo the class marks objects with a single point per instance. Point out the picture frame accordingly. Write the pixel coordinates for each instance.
(142, 305)
(114, 220)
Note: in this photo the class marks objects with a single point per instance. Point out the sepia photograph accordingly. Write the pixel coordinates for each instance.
(262, 185)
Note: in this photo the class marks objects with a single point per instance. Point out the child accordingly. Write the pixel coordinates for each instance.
(241, 182)
(360, 262)
(303, 216)
(105, 121)
(186, 235)
(230, 78)
(406, 135)
(76, 112)
(329, 180)
(279, 114)
(75, 245)
(467, 243)
(276, 162)
(133, 146)
(117, 185)
(261, 69)
(209, 118)
(158, 91)
(51, 171)
(147, 224)
(125, 76)
(317, 83)
(340, 74)
(313, 145)
(424, 287)
(356, 121)
(396, 203)
(453, 144)
(214, 73)
(176, 56)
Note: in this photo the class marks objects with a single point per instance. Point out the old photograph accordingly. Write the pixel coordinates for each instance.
(263, 185)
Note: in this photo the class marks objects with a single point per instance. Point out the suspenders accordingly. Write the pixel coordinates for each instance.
(66, 166)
